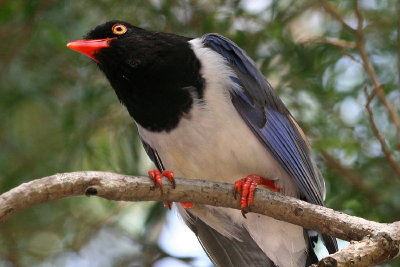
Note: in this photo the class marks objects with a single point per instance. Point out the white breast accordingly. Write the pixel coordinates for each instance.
(214, 143)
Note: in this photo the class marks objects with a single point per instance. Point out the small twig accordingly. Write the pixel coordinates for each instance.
(351, 178)
(331, 10)
(360, 18)
(345, 53)
(343, 45)
(360, 45)
(372, 73)
(331, 41)
(375, 130)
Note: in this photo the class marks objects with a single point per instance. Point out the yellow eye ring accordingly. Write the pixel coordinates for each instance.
(119, 29)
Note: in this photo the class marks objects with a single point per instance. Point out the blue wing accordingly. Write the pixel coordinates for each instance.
(270, 121)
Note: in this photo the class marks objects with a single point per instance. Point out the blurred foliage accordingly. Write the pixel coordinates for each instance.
(58, 114)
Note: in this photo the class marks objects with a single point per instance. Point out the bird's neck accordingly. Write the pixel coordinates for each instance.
(158, 99)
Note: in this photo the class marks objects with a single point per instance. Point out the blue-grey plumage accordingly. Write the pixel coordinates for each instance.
(272, 123)
(215, 117)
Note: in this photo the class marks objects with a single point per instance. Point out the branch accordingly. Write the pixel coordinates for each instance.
(331, 10)
(359, 33)
(120, 187)
(372, 73)
(350, 177)
(370, 251)
(342, 44)
(385, 149)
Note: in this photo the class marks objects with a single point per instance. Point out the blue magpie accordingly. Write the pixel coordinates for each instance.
(204, 110)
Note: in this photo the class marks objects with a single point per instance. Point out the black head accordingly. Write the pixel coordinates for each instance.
(132, 48)
(112, 29)
(154, 74)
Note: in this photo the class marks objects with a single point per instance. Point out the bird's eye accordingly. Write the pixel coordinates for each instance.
(119, 29)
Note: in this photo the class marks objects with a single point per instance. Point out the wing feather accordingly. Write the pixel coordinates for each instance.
(269, 119)
(227, 252)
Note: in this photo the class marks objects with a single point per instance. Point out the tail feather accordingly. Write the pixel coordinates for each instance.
(227, 252)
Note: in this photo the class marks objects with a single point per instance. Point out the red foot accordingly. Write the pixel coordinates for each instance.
(157, 176)
(247, 186)
(186, 205)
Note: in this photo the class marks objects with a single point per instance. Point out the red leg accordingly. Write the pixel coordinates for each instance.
(187, 205)
(157, 176)
(247, 186)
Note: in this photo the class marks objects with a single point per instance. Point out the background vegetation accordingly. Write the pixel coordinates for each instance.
(58, 114)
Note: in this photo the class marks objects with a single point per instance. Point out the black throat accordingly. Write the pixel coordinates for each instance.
(155, 75)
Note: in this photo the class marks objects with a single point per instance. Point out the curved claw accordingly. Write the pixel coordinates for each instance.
(247, 186)
(157, 176)
(170, 177)
(244, 211)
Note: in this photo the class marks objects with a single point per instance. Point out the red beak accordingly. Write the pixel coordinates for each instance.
(90, 47)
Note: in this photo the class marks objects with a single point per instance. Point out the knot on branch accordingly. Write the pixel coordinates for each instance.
(298, 212)
(91, 191)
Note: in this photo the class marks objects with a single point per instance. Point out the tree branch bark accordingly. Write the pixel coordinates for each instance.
(381, 241)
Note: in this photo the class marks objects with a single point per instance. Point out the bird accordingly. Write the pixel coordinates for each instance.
(203, 109)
